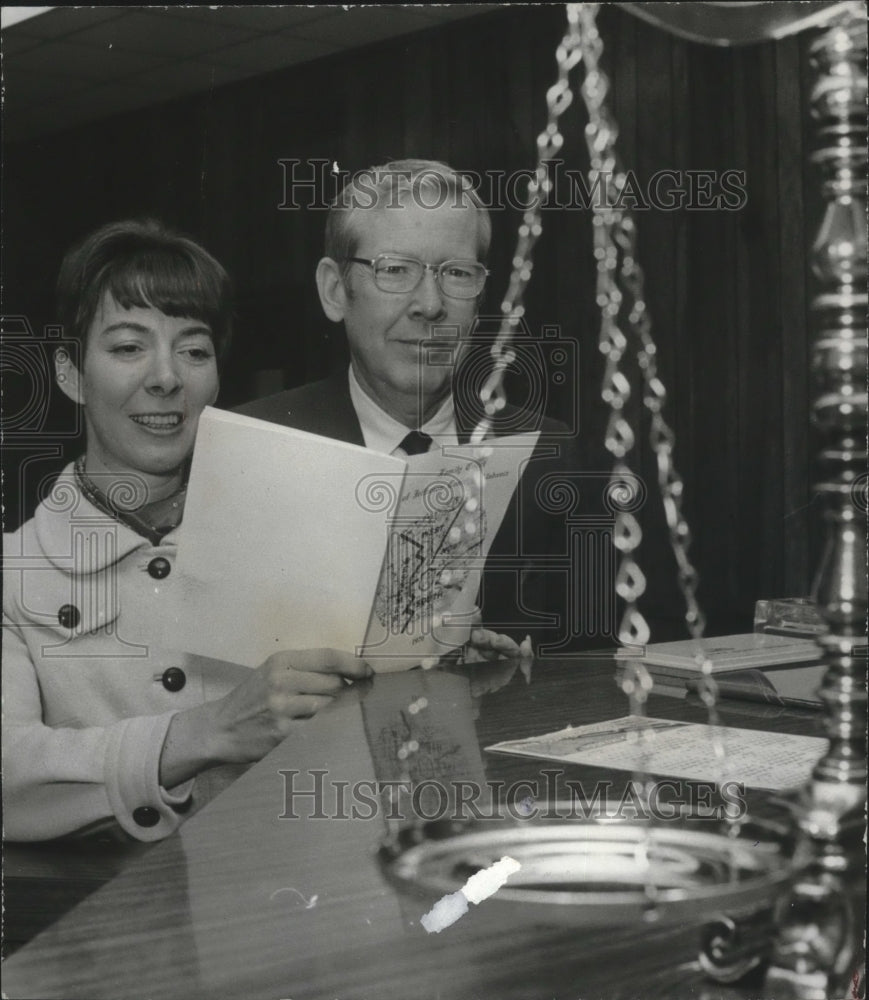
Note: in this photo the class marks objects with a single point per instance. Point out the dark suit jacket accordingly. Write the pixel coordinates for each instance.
(528, 584)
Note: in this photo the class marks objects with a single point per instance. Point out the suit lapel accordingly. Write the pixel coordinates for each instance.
(323, 408)
(342, 416)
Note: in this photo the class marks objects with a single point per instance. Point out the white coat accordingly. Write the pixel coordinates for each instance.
(88, 688)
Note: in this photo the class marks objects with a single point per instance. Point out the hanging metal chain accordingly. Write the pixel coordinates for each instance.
(559, 97)
(614, 247)
(621, 299)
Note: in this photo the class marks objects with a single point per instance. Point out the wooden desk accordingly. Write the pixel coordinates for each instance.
(41, 882)
(246, 902)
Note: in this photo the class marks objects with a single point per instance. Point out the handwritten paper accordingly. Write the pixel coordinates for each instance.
(678, 749)
(448, 510)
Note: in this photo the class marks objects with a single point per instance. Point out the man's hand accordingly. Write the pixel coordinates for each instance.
(497, 657)
(487, 645)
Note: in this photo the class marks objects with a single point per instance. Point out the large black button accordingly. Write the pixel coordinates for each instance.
(159, 568)
(174, 679)
(69, 616)
(146, 816)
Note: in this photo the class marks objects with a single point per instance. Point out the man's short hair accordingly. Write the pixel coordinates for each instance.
(431, 184)
(141, 262)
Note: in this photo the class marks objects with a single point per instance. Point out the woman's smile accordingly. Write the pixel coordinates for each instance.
(159, 423)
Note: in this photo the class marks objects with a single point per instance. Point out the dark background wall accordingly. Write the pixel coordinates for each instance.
(727, 289)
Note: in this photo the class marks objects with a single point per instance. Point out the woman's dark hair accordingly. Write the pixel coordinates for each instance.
(141, 262)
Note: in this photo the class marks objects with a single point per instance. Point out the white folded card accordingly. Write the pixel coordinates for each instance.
(291, 540)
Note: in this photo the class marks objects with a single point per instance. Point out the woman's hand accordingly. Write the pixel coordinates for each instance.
(245, 724)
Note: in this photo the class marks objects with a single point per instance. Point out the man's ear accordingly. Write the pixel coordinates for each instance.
(67, 375)
(331, 288)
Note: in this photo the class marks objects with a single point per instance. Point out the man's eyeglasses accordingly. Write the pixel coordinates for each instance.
(457, 279)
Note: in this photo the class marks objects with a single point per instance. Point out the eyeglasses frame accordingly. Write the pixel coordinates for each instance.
(434, 268)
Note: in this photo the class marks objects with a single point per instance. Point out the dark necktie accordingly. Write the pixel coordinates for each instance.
(415, 443)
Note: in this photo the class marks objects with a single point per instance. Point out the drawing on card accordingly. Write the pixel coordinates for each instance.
(427, 563)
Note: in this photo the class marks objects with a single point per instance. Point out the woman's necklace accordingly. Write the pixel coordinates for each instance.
(152, 520)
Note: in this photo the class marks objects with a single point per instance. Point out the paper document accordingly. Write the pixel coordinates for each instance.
(291, 540)
(679, 750)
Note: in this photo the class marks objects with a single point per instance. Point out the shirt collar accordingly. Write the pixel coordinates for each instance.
(384, 433)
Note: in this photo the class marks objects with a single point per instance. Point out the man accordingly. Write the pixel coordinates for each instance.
(404, 271)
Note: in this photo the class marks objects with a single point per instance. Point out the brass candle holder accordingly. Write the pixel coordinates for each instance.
(819, 942)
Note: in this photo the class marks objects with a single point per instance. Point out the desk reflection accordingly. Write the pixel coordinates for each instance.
(337, 790)
(274, 892)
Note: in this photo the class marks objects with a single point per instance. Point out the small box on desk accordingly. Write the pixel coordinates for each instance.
(795, 616)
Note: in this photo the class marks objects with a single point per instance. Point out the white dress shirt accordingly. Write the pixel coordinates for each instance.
(384, 433)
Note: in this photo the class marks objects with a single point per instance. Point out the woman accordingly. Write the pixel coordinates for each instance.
(101, 723)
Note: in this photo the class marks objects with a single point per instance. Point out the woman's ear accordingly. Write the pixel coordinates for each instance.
(67, 375)
(333, 292)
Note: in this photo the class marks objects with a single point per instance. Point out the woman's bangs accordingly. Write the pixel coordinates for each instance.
(167, 282)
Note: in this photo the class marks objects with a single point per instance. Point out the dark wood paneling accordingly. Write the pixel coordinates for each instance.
(727, 290)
